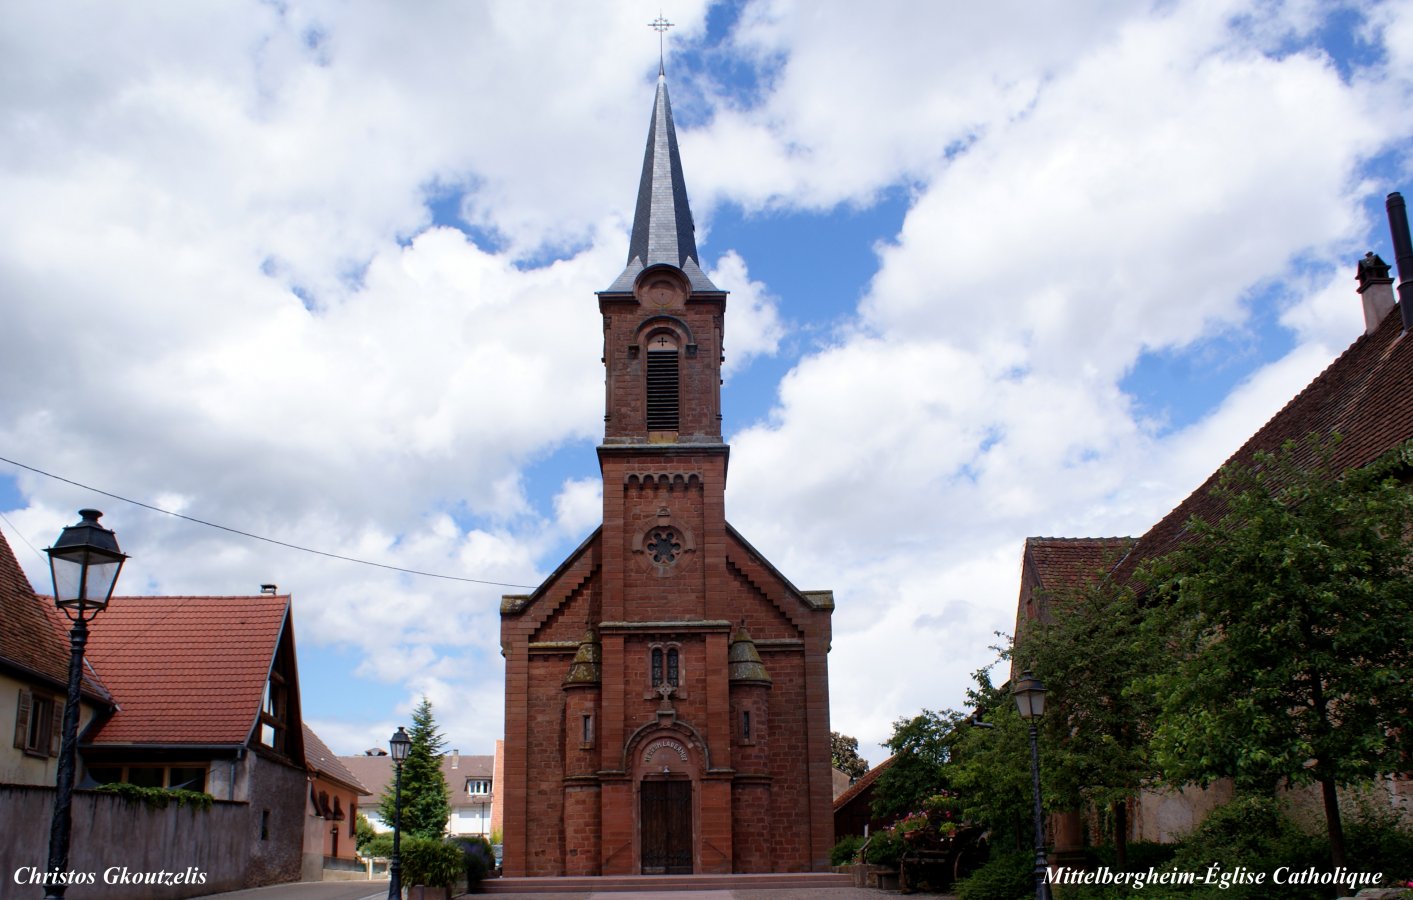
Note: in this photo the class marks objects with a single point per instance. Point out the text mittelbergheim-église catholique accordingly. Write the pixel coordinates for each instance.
(1215, 876)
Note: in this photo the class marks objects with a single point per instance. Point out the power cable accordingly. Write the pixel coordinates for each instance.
(257, 537)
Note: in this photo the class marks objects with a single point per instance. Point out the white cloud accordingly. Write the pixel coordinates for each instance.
(226, 292)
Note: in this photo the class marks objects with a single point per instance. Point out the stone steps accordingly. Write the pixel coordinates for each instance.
(608, 883)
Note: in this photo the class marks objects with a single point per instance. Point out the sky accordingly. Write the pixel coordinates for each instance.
(324, 272)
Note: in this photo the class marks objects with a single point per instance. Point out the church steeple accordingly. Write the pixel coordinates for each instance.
(663, 231)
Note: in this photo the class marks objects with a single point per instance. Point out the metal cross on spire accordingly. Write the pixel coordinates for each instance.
(660, 25)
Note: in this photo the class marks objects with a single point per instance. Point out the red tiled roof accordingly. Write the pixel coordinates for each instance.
(186, 670)
(1060, 563)
(322, 761)
(1365, 396)
(863, 784)
(33, 633)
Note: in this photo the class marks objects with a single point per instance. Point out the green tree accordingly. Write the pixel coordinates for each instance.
(1290, 619)
(844, 753)
(426, 806)
(1090, 654)
(989, 768)
(921, 749)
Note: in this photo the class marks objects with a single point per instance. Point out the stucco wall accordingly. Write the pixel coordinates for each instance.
(16, 767)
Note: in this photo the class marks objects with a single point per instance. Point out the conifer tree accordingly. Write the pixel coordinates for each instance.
(426, 806)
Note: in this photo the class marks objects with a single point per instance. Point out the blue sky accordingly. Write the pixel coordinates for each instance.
(327, 274)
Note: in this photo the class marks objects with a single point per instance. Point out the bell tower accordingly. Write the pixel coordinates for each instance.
(666, 688)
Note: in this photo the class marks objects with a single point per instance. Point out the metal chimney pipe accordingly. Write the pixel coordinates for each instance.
(1403, 254)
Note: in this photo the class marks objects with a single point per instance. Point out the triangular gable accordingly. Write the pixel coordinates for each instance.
(555, 591)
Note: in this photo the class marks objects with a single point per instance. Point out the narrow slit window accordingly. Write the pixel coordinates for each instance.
(672, 667)
(662, 384)
(588, 735)
(657, 666)
(745, 725)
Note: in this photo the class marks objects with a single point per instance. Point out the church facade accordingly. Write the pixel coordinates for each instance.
(667, 699)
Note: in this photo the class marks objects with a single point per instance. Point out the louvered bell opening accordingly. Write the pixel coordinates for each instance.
(662, 390)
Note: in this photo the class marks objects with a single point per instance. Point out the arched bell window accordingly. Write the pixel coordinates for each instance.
(663, 383)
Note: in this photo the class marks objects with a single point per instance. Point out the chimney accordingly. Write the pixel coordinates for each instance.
(1403, 254)
(268, 588)
(455, 758)
(1376, 288)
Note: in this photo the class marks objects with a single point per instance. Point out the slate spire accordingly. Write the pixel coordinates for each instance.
(662, 223)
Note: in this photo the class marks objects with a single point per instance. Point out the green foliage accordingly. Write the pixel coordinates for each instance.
(362, 833)
(921, 748)
(379, 845)
(477, 859)
(1006, 876)
(990, 767)
(1274, 611)
(431, 861)
(843, 853)
(426, 806)
(844, 754)
(1251, 831)
(157, 798)
(1379, 841)
(884, 848)
(1096, 733)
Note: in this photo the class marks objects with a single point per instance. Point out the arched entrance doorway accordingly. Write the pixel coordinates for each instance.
(666, 773)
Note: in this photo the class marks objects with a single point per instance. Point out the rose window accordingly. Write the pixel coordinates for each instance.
(664, 545)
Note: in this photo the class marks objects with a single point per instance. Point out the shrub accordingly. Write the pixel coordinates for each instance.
(363, 833)
(377, 845)
(884, 848)
(477, 859)
(1252, 832)
(1007, 875)
(843, 853)
(434, 862)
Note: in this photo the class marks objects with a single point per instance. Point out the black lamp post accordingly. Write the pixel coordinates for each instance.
(400, 744)
(1030, 700)
(84, 563)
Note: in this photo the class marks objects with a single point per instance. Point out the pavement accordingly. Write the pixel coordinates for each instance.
(378, 890)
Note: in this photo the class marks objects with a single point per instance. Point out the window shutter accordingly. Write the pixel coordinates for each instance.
(662, 390)
(22, 719)
(56, 729)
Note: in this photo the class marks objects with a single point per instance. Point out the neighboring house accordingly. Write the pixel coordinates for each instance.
(334, 796)
(1362, 396)
(470, 784)
(34, 676)
(853, 813)
(178, 692)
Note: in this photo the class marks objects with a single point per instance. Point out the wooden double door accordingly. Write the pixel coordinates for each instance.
(665, 824)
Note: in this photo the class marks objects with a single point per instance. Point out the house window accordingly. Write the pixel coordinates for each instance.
(190, 778)
(662, 384)
(478, 786)
(665, 667)
(38, 724)
(274, 723)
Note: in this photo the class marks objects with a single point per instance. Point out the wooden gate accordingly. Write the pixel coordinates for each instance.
(666, 827)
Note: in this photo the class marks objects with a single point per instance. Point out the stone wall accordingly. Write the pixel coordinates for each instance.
(113, 838)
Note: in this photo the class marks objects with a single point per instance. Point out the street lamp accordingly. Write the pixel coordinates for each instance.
(84, 563)
(1030, 700)
(400, 744)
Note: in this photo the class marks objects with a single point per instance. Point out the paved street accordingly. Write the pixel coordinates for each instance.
(378, 890)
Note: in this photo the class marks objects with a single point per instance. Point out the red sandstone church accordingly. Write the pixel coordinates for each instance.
(666, 689)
